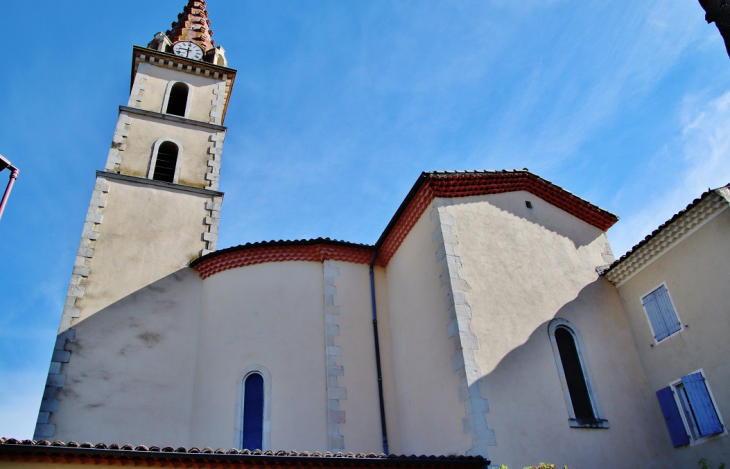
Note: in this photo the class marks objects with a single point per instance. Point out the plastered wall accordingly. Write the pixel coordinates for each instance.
(696, 274)
(269, 315)
(361, 429)
(130, 376)
(523, 268)
(157, 80)
(427, 390)
(390, 388)
(146, 233)
(194, 141)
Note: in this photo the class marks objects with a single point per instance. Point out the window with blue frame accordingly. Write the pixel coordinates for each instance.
(660, 311)
(253, 412)
(689, 410)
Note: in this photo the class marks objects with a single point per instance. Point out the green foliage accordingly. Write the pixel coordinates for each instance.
(703, 464)
(548, 466)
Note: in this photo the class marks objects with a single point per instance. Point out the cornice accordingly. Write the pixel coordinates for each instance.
(455, 184)
(311, 250)
(428, 187)
(667, 236)
(161, 184)
(174, 62)
(172, 118)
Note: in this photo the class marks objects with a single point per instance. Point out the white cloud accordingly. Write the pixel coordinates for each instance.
(604, 62)
(705, 148)
(707, 144)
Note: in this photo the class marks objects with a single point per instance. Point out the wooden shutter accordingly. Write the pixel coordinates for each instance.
(661, 313)
(702, 407)
(669, 316)
(672, 417)
(655, 316)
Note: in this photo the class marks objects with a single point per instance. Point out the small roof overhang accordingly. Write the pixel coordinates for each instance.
(45, 452)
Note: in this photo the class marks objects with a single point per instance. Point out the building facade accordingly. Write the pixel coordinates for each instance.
(674, 290)
(478, 324)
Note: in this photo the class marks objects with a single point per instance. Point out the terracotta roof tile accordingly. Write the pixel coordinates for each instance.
(193, 25)
(315, 250)
(452, 184)
(443, 184)
(29, 448)
(661, 228)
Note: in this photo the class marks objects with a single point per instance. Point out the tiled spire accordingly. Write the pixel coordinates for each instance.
(193, 25)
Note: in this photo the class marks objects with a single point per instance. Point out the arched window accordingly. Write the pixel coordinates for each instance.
(164, 165)
(176, 101)
(253, 412)
(584, 409)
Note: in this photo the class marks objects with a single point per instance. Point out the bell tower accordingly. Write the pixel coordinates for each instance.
(156, 205)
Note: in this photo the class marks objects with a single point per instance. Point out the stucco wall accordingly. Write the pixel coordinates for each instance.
(362, 409)
(525, 267)
(130, 376)
(697, 277)
(269, 315)
(156, 86)
(390, 388)
(429, 412)
(147, 232)
(194, 141)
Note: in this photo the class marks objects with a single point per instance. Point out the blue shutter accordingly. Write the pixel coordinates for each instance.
(655, 316)
(672, 417)
(699, 398)
(669, 316)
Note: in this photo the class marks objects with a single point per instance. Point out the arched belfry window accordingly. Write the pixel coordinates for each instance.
(253, 416)
(584, 408)
(165, 162)
(177, 99)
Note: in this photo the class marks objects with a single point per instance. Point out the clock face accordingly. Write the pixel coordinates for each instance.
(188, 49)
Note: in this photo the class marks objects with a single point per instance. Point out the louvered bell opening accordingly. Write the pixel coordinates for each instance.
(166, 161)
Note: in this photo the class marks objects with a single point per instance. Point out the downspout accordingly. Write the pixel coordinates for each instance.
(13, 177)
(377, 356)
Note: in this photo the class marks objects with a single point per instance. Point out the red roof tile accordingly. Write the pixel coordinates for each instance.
(193, 25)
(72, 452)
(314, 250)
(429, 186)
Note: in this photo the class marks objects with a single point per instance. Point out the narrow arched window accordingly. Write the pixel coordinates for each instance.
(253, 412)
(165, 162)
(177, 100)
(584, 408)
(574, 375)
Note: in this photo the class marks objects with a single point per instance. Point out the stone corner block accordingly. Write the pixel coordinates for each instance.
(49, 405)
(337, 393)
(61, 356)
(44, 431)
(336, 417)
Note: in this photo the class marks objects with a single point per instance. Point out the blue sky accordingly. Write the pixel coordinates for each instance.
(337, 108)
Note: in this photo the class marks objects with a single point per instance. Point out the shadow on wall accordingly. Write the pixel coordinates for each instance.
(134, 357)
(541, 213)
(528, 410)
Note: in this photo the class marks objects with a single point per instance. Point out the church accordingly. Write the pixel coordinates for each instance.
(490, 321)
